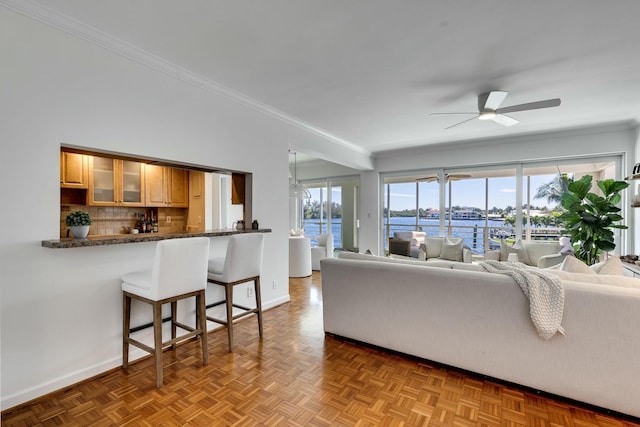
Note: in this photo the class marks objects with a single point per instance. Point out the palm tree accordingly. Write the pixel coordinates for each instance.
(553, 190)
(535, 220)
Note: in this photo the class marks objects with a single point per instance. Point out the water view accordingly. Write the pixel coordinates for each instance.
(474, 233)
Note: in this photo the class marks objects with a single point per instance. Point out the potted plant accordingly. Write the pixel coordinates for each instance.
(79, 222)
(589, 218)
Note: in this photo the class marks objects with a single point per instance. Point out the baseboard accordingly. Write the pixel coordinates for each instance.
(56, 384)
(23, 397)
(276, 302)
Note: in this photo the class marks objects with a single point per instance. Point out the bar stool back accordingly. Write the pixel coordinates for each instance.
(179, 271)
(242, 263)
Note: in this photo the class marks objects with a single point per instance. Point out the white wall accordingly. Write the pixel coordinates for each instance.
(61, 308)
(615, 139)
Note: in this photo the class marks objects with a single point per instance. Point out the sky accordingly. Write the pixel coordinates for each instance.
(469, 193)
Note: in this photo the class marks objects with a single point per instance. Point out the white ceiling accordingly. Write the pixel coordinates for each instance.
(369, 72)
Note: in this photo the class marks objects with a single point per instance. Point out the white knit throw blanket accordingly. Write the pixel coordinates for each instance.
(544, 291)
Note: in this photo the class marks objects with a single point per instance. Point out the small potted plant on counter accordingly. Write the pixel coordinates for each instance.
(79, 222)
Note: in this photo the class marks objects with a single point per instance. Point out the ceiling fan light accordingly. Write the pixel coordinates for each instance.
(487, 115)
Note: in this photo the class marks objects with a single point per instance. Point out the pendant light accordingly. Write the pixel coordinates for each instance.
(297, 190)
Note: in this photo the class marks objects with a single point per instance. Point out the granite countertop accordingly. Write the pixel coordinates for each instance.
(117, 239)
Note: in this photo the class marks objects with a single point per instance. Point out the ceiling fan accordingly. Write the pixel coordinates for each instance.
(447, 177)
(489, 102)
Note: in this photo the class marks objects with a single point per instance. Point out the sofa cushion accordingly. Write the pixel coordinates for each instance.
(394, 259)
(467, 266)
(572, 264)
(434, 246)
(537, 249)
(612, 266)
(452, 249)
(414, 237)
(599, 279)
(517, 248)
(439, 262)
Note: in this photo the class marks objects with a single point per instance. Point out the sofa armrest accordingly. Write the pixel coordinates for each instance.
(550, 260)
(399, 247)
(466, 254)
(422, 252)
(492, 255)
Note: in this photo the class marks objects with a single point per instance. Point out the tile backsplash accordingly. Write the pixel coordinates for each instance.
(115, 220)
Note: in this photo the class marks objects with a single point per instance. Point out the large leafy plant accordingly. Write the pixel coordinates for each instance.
(590, 218)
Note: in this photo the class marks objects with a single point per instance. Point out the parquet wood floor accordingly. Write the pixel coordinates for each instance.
(297, 377)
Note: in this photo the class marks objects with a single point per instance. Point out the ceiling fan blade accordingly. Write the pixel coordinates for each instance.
(530, 106)
(447, 177)
(491, 100)
(427, 179)
(457, 176)
(439, 114)
(504, 120)
(464, 121)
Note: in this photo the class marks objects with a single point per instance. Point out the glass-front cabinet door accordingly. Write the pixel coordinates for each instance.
(102, 181)
(115, 182)
(132, 175)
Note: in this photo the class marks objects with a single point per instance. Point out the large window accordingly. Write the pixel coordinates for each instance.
(486, 204)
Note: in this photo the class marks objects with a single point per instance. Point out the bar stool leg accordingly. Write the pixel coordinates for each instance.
(174, 311)
(126, 324)
(258, 303)
(228, 290)
(201, 322)
(157, 338)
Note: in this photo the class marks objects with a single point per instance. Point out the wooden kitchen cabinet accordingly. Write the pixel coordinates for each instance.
(166, 186)
(237, 188)
(196, 213)
(114, 182)
(74, 170)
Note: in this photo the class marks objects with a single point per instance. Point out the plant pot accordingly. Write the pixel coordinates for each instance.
(79, 231)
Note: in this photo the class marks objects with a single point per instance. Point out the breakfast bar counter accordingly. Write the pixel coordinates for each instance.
(117, 239)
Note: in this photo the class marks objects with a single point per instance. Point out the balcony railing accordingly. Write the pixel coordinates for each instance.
(477, 237)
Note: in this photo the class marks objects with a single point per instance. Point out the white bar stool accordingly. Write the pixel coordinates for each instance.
(242, 263)
(179, 271)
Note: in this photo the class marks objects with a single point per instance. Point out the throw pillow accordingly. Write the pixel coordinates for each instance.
(434, 246)
(517, 248)
(451, 251)
(572, 264)
(611, 266)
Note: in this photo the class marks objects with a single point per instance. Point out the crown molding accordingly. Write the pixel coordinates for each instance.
(120, 47)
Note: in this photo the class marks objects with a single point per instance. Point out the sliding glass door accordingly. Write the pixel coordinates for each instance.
(333, 209)
(486, 204)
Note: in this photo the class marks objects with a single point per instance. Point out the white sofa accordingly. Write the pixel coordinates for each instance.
(444, 249)
(480, 322)
(535, 253)
(416, 244)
